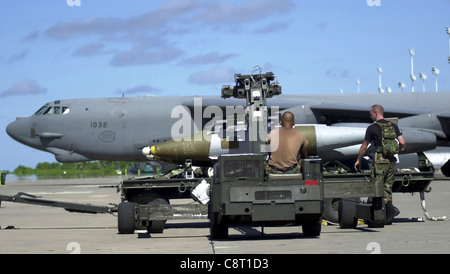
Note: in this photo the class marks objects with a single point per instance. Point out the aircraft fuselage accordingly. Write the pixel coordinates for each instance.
(118, 128)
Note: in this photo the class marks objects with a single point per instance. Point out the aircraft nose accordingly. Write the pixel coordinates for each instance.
(19, 130)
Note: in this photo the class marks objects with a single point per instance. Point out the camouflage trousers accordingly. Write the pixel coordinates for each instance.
(383, 171)
(273, 170)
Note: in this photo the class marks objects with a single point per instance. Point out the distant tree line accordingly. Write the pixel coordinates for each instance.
(94, 168)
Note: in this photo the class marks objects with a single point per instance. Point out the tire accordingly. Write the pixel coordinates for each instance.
(378, 206)
(218, 228)
(126, 218)
(347, 213)
(151, 197)
(158, 225)
(330, 212)
(312, 229)
(375, 224)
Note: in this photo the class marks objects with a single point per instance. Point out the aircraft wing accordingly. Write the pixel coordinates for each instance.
(338, 113)
(327, 113)
(223, 103)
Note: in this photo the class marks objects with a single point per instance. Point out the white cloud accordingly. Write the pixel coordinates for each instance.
(89, 49)
(213, 76)
(22, 87)
(209, 58)
(141, 55)
(139, 89)
(154, 36)
(17, 57)
(218, 12)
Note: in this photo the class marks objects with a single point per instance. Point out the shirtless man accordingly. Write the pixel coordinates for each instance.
(288, 146)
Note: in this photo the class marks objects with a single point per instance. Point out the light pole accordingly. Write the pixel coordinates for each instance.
(380, 89)
(435, 71)
(358, 83)
(413, 77)
(448, 32)
(423, 77)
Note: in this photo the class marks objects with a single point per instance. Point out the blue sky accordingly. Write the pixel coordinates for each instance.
(51, 50)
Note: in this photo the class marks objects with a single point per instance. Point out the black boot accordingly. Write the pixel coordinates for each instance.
(391, 212)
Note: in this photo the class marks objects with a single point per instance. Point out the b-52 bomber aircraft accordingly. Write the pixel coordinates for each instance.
(76, 130)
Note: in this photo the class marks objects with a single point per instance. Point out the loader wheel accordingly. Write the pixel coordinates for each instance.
(218, 228)
(152, 197)
(312, 229)
(330, 211)
(347, 213)
(158, 225)
(126, 218)
(312, 226)
(378, 209)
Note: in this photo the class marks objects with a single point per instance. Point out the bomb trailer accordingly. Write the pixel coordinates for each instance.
(240, 191)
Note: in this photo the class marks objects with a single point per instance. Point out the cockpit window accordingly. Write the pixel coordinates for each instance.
(48, 111)
(41, 110)
(52, 110)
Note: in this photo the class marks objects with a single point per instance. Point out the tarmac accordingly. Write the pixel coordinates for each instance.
(31, 229)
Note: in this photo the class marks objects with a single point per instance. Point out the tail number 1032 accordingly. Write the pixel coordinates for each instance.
(98, 124)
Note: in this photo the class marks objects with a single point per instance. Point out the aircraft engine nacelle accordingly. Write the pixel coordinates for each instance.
(418, 140)
(65, 156)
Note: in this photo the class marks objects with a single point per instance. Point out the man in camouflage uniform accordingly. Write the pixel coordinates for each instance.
(288, 146)
(384, 166)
